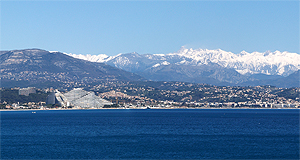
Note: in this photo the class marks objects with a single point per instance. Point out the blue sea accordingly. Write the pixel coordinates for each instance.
(151, 134)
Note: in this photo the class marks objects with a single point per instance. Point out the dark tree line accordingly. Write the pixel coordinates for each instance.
(12, 96)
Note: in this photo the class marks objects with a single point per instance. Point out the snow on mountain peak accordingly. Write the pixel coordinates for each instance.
(92, 58)
(156, 65)
(165, 63)
(243, 53)
(272, 63)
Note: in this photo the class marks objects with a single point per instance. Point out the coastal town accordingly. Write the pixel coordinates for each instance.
(149, 95)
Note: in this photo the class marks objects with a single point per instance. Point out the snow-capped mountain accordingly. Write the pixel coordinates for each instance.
(92, 58)
(269, 63)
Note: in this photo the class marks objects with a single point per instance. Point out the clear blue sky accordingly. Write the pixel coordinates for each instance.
(97, 27)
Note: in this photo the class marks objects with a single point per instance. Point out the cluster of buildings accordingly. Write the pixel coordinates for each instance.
(76, 99)
(127, 101)
(167, 95)
(27, 91)
(179, 94)
(29, 105)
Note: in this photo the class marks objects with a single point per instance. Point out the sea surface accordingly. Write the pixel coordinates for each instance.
(151, 134)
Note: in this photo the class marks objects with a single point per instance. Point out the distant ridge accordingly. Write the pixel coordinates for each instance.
(215, 67)
(293, 80)
(36, 67)
(269, 63)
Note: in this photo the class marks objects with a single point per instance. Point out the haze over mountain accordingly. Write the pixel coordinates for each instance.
(205, 66)
(293, 80)
(36, 66)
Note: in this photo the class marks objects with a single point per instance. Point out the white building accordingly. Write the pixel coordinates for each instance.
(80, 98)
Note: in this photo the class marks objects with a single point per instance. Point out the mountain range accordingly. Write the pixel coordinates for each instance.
(34, 67)
(216, 67)
(269, 63)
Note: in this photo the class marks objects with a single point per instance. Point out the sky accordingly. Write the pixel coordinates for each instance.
(155, 27)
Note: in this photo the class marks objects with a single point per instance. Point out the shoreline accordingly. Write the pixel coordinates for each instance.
(4, 110)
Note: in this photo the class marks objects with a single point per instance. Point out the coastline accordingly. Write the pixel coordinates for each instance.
(4, 110)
